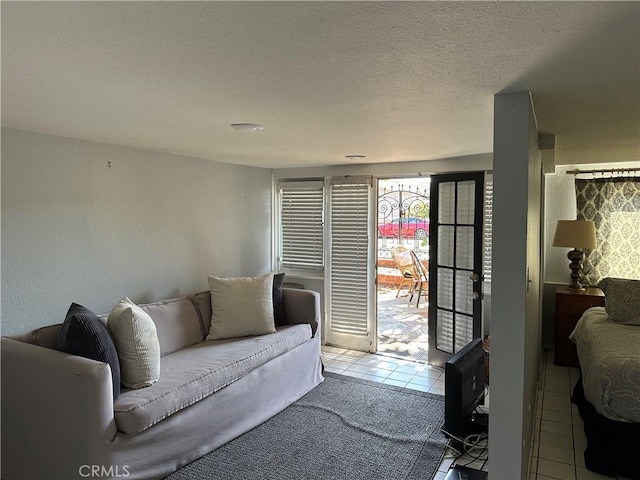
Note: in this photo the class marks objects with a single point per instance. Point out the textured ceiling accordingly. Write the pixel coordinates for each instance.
(395, 81)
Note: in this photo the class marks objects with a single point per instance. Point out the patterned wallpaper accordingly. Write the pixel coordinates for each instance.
(614, 205)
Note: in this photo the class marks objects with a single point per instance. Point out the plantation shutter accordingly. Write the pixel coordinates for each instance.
(301, 225)
(488, 228)
(350, 260)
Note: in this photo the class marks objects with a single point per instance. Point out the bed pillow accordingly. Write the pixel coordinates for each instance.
(83, 334)
(279, 315)
(622, 299)
(241, 307)
(136, 340)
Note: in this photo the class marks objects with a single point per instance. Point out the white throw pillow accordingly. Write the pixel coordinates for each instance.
(136, 340)
(241, 307)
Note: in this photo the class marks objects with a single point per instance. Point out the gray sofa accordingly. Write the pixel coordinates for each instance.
(59, 419)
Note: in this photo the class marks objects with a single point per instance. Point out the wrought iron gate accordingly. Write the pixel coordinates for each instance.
(403, 215)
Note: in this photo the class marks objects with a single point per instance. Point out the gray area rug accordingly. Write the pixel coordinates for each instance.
(344, 429)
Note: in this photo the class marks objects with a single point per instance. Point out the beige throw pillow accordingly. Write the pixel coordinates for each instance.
(136, 341)
(241, 307)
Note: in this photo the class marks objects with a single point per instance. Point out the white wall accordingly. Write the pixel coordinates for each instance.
(90, 223)
(516, 281)
(560, 204)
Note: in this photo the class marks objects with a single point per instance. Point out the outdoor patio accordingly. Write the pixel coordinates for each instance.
(402, 328)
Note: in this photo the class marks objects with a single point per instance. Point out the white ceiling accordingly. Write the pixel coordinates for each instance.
(396, 81)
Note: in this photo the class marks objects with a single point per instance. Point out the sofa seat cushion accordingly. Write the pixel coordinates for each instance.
(191, 374)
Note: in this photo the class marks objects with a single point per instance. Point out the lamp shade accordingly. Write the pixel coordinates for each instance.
(575, 234)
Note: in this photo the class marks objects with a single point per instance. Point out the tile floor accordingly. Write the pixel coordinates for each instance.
(558, 440)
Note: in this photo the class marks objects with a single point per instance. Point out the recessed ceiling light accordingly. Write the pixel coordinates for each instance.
(250, 127)
(355, 157)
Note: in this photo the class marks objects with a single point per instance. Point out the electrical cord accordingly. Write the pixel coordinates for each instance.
(470, 443)
(479, 408)
(474, 446)
(480, 444)
(466, 441)
(479, 441)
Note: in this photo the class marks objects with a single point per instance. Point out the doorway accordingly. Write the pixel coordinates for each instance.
(403, 209)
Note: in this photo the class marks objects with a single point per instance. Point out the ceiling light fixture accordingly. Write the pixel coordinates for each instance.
(355, 157)
(249, 127)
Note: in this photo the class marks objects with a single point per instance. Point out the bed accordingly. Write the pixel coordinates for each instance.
(608, 392)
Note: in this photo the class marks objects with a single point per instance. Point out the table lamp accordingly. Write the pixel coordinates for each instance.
(576, 234)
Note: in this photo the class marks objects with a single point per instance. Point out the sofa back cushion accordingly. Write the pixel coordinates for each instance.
(43, 337)
(202, 302)
(177, 323)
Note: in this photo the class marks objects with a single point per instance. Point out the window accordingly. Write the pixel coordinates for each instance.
(301, 242)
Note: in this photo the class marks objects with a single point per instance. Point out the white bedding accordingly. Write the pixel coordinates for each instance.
(609, 355)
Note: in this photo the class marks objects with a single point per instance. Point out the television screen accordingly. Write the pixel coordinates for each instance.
(463, 388)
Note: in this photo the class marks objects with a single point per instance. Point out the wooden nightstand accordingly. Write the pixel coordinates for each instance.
(570, 305)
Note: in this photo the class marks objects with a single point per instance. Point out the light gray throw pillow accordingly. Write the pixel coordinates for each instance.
(241, 307)
(136, 339)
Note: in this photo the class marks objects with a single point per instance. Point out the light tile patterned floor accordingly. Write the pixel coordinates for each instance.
(559, 439)
(558, 451)
(384, 369)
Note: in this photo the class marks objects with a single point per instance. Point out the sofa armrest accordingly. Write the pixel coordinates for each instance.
(57, 412)
(302, 306)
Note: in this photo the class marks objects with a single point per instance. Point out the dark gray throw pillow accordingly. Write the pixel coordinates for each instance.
(83, 334)
(279, 316)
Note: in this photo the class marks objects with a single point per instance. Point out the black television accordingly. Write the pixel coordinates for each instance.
(464, 377)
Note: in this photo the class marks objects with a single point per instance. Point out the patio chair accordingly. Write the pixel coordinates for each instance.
(404, 262)
(421, 279)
